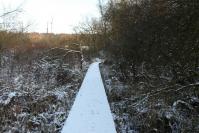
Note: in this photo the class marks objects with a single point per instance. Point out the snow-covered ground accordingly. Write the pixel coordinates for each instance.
(90, 112)
(37, 90)
(147, 103)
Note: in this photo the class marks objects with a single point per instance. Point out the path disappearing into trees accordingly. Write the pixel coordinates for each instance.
(90, 112)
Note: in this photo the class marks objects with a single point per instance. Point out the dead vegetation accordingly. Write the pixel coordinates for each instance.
(147, 103)
(37, 88)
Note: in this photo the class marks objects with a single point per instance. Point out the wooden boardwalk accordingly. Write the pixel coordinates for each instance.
(90, 112)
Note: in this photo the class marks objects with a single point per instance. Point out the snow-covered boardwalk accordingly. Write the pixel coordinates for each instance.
(90, 112)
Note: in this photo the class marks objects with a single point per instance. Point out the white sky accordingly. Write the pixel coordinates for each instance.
(65, 13)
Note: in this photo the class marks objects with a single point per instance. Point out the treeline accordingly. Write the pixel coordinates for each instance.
(157, 32)
(12, 39)
(23, 40)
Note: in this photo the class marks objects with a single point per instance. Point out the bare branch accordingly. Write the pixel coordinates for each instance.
(10, 12)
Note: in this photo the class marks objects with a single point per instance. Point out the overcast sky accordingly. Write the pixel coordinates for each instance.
(64, 14)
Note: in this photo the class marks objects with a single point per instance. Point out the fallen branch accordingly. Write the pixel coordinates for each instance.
(154, 93)
(190, 85)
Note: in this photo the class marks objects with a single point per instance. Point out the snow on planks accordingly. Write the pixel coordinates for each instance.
(90, 112)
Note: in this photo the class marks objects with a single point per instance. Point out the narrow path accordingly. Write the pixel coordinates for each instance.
(90, 112)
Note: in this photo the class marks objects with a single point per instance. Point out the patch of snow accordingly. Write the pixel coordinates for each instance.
(183, 103)
(142, 109)
(18, 78)
(60, 95)
(5, 99)
(168, 115)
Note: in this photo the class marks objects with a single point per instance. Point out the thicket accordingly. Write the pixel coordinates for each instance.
(154, 65)
(156, 32)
